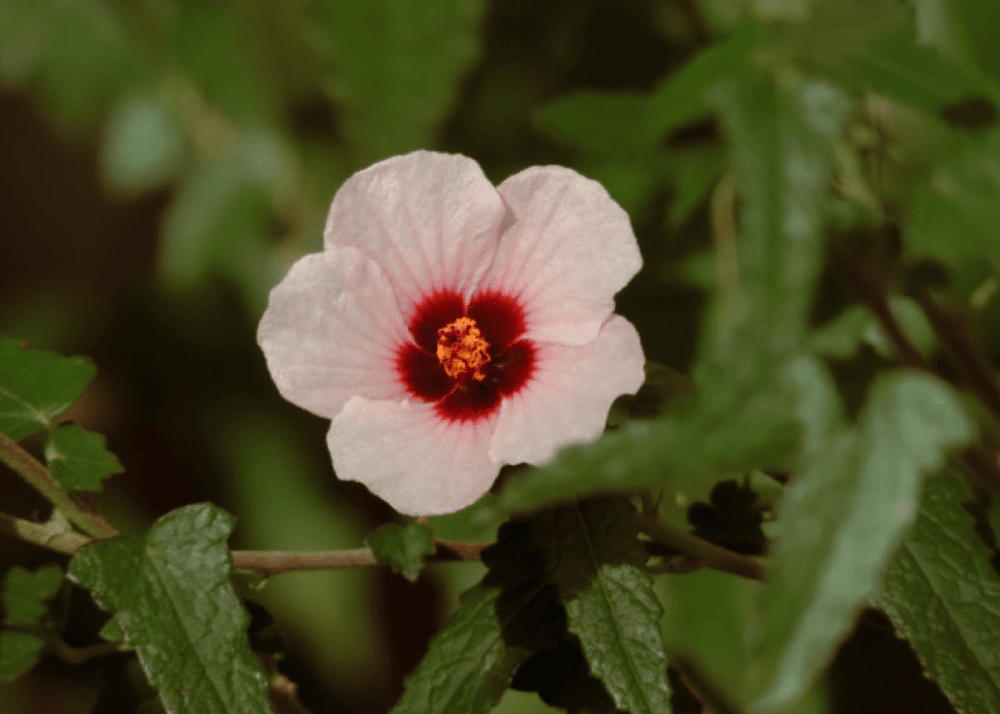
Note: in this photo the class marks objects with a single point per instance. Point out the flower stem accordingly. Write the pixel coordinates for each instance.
(37, 476)
(54, 535)
(701, 550)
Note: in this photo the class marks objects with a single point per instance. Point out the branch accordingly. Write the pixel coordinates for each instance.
(65, 652)
(55, 534)
(28, 467)
(701, 550)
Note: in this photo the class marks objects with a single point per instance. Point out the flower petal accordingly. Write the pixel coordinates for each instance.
(418, 463)
(330, 331)
(568, 398)
(569, 251)
(430, 220)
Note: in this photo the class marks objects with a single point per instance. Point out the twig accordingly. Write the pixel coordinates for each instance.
(54, 535)
(284, 696)
(38, 477)
(711, 555)
(963, 351)
(65, 652)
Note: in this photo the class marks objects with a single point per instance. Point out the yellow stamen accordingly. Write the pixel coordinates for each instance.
(461, 349)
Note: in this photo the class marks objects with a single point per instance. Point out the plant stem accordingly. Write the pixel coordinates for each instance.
(701, 550)
(38, 477)
(53, 535)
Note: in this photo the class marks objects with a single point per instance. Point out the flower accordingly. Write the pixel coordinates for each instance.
(450, 326)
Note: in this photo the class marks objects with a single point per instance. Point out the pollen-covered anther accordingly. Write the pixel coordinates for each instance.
(461, 349)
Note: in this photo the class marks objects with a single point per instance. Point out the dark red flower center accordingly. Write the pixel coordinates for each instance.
(466, 357)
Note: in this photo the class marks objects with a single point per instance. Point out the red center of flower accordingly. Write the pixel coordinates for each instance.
(466, 358)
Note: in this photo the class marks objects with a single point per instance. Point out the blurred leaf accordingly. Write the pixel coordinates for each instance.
(598, 123)
(894, 65)
(25, 37)
(144, 145)
(940, 591)
(502, 621)
(736, 423)
(853, 496)
(976, 21)
(404, 548)
(24, 597)
(19, 651)
(37, 386)
(955, 212)
(843, 335)
(78, 458)
(397, 66)
(683, 97)
(171, 595)
(596, 562)
(694, 184)
(781, 167)
(25, 593)
(706, 619)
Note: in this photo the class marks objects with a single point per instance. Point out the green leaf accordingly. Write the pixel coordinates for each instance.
(512, 613)
(19, 651)
(144, 145)
(24, 601)
(37, 386)
(397, 65)
(599, 123)
(402, 547)
(955, 212)
(596, 562)
(78, 459)
(843, 335)
(736, 423)
(683, 97)
(940, 591)
(853, 497)
(25, 593)
(171, 595)
(694, 184)
(781, 141)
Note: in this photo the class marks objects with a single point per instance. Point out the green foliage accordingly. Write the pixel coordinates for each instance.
(171, 596)
(854, 494)
(144, 145)
(78, 460)
(598, 123)
(501, 622)
(397, 62)
(36, 386)
(595, 560)
(24, 602)
(402, 547)
(939, 589)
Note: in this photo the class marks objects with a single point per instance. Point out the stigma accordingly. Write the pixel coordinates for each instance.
(462, 350)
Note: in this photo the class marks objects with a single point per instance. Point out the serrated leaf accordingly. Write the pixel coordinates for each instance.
(404, 548)
(24, 602)
(25, 593)
(596, 562)
(739, 422)
(853, 497)
(502, 621)
(78, 459)
(599, 123)
(171, 595)
(940, 591)
(683, 97)
(19, 651)
(397, 63)
(36, 386)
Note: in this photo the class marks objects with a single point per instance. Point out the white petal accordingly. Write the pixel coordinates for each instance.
(567, 399)
(330, 331)
(429, 220)
(571, 248)
(409, 457)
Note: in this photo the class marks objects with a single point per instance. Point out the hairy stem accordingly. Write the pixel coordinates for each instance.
(28, 468)
(55, 535)
(701, 550)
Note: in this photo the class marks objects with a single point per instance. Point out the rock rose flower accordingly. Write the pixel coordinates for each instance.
(450, 326)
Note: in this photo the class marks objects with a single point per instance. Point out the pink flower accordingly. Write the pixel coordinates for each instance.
(450, 327)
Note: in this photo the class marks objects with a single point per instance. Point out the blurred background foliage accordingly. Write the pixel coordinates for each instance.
(164, 161)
